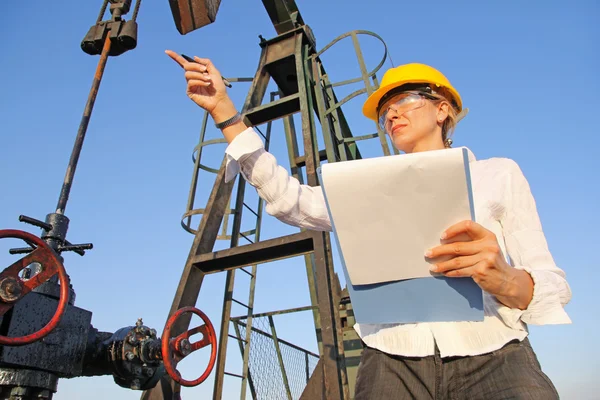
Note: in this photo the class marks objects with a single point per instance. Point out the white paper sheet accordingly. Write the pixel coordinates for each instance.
(388, 211)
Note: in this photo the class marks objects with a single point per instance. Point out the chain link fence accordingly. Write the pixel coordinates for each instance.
(278, 370)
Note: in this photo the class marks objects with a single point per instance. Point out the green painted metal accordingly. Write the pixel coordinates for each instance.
(284, 376)
(295, 171)
(317, 102)
(253, 274)
(236, 234)
(277, 312)
(243, 344)
(370, 82)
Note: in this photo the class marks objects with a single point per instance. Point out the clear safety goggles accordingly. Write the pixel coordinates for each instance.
(401, 103)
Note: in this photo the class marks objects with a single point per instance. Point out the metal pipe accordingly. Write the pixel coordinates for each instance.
(136, 10)
(66, 188)
(102, 11)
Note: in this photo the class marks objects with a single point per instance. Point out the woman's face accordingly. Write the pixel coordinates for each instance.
(413, 122)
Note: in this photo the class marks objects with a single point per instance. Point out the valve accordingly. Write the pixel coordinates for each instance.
(175, 349)
(13, 288)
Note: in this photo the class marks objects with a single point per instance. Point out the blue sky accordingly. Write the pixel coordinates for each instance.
(528, 73)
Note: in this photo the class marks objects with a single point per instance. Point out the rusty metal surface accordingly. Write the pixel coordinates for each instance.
(278, 312)
(166, 389)
(288, 246)
(54, 234)
(284, 376)
(14, 289)
(228, 296)
(24, 393)
(254, 98)
(131, 354)
(284, 14)
(62, 351)
(246, 378)
(35, 367)
(242, 343)
(269, 112)
(190, 15)
(335, 290)
(192, 277)
(291, 60)
(11, 289)
(295, 171)
(269, 250)
(26, 377)
(315, 390)
(85, 119)
(332, 351)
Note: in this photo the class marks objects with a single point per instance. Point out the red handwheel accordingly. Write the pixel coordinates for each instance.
(13, 288)
(175, 349)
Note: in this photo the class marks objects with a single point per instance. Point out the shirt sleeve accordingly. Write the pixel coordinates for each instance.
(528, 250)
(286, 198)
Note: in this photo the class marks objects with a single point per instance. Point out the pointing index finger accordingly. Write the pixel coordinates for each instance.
(176, 57)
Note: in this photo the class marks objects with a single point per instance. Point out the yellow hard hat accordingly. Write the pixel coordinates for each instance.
(404, 74)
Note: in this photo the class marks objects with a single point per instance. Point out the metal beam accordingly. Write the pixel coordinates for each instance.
(284, 14)
(190, 15)
(255, 253)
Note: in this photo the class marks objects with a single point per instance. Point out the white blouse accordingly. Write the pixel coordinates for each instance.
(503, 204)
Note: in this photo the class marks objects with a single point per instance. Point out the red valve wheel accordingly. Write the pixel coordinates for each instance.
(179, 347)
(13, 288)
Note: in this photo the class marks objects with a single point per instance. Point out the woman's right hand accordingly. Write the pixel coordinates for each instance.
(205, 86)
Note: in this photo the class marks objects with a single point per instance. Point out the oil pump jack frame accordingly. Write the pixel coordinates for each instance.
(290, 60)
(134, 355)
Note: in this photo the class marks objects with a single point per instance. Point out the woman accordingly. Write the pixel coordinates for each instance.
(417, 106)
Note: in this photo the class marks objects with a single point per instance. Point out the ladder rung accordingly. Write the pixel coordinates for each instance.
(246, 237)
(357, 138)
(241, 256)
(251, 210)
(249, 273)
(241, 304)
(274, 110)
(301, 160)
(237, 338)
(236, 375)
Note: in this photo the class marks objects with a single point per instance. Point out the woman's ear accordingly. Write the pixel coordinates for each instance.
(442, 112)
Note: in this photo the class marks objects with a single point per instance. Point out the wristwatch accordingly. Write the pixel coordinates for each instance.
(236, 118)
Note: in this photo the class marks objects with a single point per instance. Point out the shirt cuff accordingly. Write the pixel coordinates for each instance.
(242, 146)
(545, 307)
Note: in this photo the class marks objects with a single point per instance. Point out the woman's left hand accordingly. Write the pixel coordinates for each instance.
(481, 259)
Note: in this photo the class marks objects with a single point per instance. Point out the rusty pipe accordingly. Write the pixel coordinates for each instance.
(87, 113)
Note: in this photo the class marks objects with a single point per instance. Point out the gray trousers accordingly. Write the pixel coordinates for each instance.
(512, 372)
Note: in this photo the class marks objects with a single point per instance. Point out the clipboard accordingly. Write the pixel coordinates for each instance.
(355, 191)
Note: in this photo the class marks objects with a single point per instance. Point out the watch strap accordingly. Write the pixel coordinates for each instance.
(236, 118)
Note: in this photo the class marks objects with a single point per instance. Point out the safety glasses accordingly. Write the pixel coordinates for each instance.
(402, 103)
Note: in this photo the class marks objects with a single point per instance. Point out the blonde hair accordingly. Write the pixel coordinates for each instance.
(450, 122)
